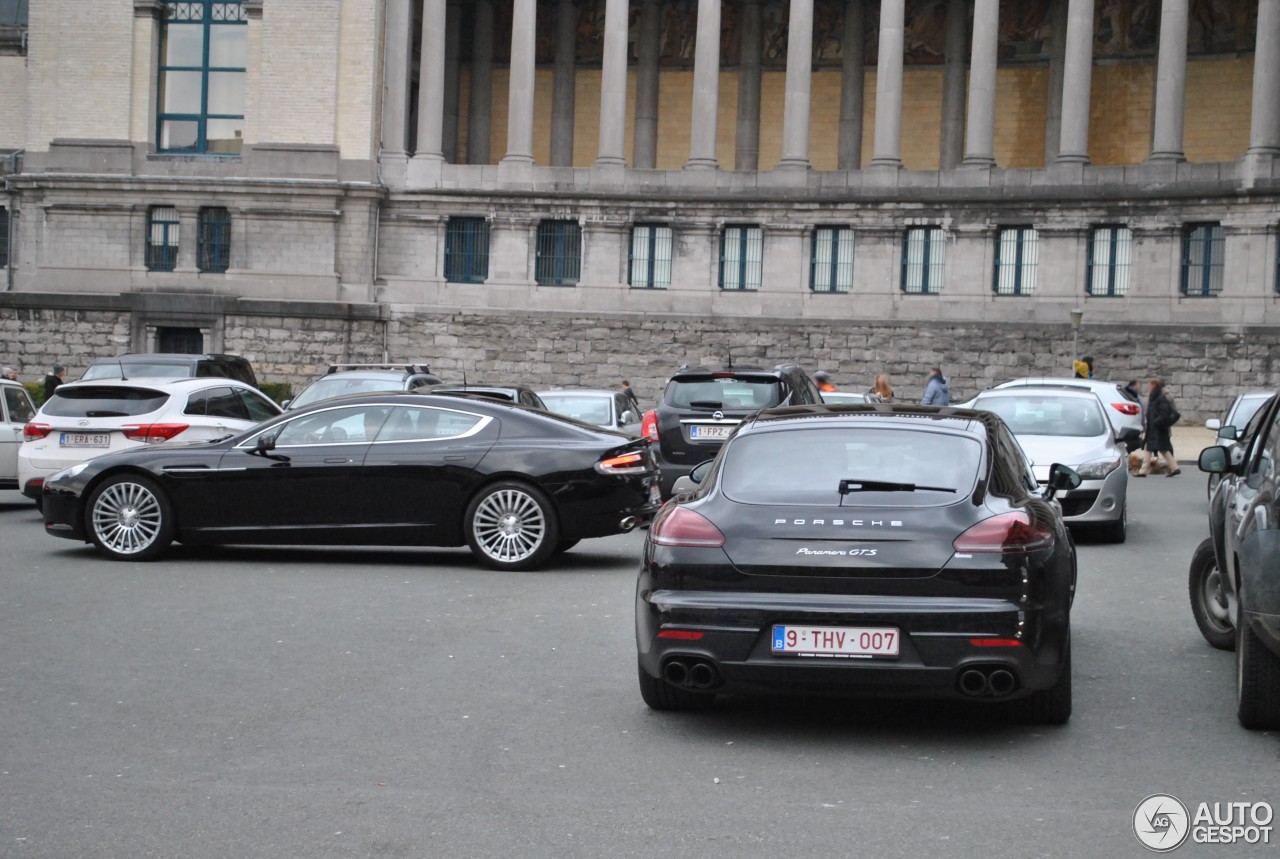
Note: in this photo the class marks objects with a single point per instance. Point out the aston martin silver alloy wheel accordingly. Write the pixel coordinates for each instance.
(129, 518)
(511, 526)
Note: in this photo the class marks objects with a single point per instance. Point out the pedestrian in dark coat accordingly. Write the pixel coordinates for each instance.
(53, 380)
(1159, 419)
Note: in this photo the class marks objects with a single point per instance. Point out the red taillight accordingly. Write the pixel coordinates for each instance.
(153, 433)
(681, 634)
(1008, 532)
(995, 642)
(1126, 408)
(649, 425)
(35, 432)
(679, 526)
(627, 463)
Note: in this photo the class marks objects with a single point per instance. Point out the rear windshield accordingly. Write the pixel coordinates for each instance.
(723, 393)
(156, 370)
(1071, 417)
(103, 402)
(327, 388)
(596, 410)
(805, 466)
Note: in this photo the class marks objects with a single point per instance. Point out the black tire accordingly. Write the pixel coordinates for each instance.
(511, 525)
(130, 518)
(1208, 604)
(39, 502)
(1257, 682)
(1051, 706)
(1117, 531)
(660, 695)
(564, 546)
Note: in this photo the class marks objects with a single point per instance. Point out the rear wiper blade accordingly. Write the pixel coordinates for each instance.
(707, 404)
(848, 486)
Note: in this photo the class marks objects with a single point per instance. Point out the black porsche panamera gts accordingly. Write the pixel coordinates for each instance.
(864, 550)
(514, 484)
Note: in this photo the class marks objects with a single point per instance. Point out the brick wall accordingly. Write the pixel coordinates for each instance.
(13, 102)
(298, 85)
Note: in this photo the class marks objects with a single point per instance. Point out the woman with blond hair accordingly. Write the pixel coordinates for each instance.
(880, 392)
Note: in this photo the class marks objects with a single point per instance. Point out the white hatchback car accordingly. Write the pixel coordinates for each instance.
(87, 419)
(16, 409)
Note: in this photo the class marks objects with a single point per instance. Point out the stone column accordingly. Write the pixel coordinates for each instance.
(613, 86)
(795, 118)
(746, 154)
(648, 49)
(1053, 100)
(564, 93)
(481, 100)
(951, 147)
(1264, 131)
(520, 98)
(851, 83)
(451, 68)
(888, 132)
(1077, 78)
(431, 82)
(706, 88)
(1171, 83)
(980, 132)
(395, 77)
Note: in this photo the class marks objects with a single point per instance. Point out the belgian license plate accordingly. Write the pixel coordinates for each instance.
(84, 439)
(702, 432)
(835, 641)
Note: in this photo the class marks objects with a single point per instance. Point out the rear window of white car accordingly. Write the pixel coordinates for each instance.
(103, 402)
(1070, 417)
(807, 466)
(596, 410)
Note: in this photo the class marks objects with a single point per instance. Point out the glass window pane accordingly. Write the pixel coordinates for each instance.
(228, 46)
(224, 135)
(183, 45)
(179, 134)
(180, 92)
(226, 93)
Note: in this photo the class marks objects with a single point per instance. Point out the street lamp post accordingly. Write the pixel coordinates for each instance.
(1077, 318)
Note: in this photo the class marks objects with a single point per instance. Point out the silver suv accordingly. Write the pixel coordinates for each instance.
(343, 379)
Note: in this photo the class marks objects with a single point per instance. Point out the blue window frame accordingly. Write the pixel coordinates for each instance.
(1203, 253)
(204, 47)
(162, 238)
(650, 256)
(466, 250)
(215, 239)
(924, 260)
(741, 258)
(1017, 252)
(1110, 253)
(559, 256)
(4, 238)
(831, 260)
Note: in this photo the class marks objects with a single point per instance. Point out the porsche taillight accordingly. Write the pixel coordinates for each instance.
(1006, 533)
(681, 527)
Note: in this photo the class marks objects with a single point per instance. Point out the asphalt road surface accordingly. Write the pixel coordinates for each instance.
(257, 702)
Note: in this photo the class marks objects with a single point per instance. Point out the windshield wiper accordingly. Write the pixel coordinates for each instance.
(848, 486)
(706, 404)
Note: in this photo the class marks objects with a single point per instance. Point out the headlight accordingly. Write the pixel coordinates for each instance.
(68, 473)
(1099, 469)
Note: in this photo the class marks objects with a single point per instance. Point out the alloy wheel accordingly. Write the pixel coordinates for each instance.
(509, 525)
(1215, 601)
(127, 518)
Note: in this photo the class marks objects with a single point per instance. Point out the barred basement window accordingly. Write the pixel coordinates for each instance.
(559, 259)
(650, 256)
(1110, 250)
(831, 260)
(204, 50)
(924, 256)
(1016, 254)
(741, 258)
(4, 238)
(162, 238)
(466, 250)
(1203, 253)
(215, 239)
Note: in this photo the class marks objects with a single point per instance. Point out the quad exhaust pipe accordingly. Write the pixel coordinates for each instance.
(691, 673)
(992, 681)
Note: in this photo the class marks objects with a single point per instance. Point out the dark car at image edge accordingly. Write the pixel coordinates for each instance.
(516, 485)
(863, 550)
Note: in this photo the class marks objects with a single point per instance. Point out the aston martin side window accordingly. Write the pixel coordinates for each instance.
(334, 426)
(419, 424)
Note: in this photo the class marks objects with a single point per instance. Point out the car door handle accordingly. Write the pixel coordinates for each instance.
(337, 459)
(459, 457)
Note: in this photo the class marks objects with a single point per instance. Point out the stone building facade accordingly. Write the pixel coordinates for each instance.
(574, 191)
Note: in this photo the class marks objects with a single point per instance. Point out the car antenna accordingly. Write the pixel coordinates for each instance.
(123, 377)
(464, 380)
(730, 351)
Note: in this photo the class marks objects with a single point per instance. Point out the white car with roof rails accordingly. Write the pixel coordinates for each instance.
(1122, 409)
(83, 420)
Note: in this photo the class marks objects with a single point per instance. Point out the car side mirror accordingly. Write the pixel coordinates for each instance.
(1215, 460)
(693, 480)
(1228, 433)
(284, 404)
(265, 443)
(628, 417)
(1061, 479)
(1213, 424)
